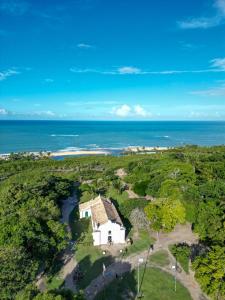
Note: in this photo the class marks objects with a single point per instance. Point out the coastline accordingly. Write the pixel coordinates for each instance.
(86, 152)
(79, 152)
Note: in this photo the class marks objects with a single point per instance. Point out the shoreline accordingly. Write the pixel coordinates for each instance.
(109, 151)
(79, 152)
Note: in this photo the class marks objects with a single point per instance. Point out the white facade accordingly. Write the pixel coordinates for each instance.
(108, 232)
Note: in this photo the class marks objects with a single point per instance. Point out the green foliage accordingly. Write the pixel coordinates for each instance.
(185, 179)
(140, 188)
(31, 293)
(17, 269)
(210, 272)
(182, 254)
(164, 214)
(210, 223)
(126, 207)
(30, 232)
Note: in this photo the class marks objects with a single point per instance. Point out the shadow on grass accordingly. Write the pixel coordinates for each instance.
(89, 271)
(123, 287)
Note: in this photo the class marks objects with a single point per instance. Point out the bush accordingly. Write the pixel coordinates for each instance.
(182, 253)
(140, 188)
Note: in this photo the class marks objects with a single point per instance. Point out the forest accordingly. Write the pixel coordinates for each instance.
(186, 184)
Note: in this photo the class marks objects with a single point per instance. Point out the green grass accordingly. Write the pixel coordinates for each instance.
(54, 282)
(142, 243)
(91, 262)
(114, 194)
(182, 259)
(89, 257)
(155, 285)
(160, 258)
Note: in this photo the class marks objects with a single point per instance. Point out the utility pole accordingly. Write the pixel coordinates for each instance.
(140, 260)
(174, 267)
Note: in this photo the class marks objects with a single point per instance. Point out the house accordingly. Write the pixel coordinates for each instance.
(106, 223)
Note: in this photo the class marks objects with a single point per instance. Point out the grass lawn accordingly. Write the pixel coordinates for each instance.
(54, 282)
(141, 243)
(91, 262)
(160, 258)
(156, 285)
(89, 258)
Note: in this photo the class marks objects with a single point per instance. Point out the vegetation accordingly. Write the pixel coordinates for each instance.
(160, 258)
(210, 271)
(187, 184)
(31, 293)
(155, 285)
(182, 254)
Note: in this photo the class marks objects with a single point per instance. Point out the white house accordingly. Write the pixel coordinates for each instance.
(106, 223)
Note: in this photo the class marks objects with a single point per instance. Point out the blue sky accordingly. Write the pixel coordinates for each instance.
(112, 59)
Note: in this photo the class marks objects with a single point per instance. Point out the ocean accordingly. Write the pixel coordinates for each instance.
(17, 136)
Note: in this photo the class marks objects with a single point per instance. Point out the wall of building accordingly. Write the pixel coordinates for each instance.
(85, 213)
(117, 233)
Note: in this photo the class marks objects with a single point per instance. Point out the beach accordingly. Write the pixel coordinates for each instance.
(79, 152)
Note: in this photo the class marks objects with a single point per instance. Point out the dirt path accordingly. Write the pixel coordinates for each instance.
(69, 263)
(182, 233)
(67, 271)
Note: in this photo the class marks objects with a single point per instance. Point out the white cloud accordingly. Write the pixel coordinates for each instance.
(135, 111)
(84, 46)
(129, 70)
(218, 63)
(122, 111)
(202, 23)
(216, 19)
(45, 113)
(8, 73)
(4, 112)
(49, 80)
(14, 7)
(220, 5)
(217, 91)
(140, 111)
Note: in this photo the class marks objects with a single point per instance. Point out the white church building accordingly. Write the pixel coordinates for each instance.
(106, 223)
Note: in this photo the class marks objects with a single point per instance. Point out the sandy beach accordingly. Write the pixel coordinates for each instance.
(79, 152)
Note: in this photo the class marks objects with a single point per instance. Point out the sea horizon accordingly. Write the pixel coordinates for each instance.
(56, 135)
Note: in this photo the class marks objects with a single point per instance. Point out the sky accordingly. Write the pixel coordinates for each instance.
(112, 59)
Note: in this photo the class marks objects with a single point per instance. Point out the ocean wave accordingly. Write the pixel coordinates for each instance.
(162, 136)
(70, 149)
(66, 135)
(93, 146)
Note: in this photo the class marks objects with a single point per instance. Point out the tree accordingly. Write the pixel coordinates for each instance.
(138, 219)
(210, 223)
(164, 214)
(17, 269)
(210, 272)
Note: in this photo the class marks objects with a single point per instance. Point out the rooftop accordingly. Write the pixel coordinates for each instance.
(102, 210)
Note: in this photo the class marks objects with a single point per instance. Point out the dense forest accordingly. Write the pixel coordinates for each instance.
(185, 184)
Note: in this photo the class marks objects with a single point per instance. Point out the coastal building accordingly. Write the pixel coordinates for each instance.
(106, 223)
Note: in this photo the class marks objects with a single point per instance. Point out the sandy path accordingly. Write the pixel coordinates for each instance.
(69, 263)
(67, 271)
(182, 233)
